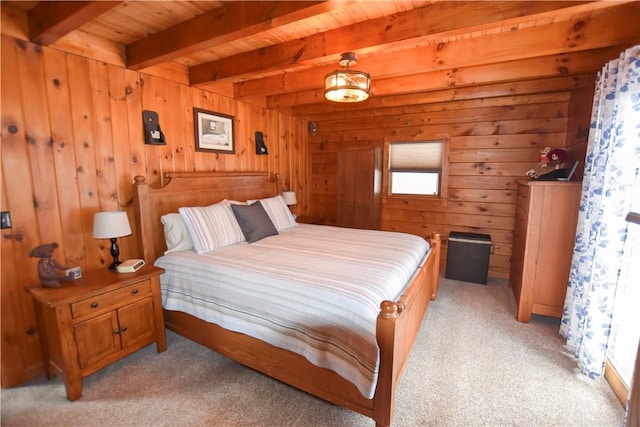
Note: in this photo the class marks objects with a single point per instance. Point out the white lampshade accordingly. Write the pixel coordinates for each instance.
(107, 225)
(289, 197)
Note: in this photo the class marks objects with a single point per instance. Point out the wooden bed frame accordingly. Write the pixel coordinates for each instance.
(397, 326)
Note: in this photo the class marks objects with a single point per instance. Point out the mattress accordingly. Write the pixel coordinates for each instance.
(312, 289)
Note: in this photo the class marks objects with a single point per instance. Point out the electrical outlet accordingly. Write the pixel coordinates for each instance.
(5, 219)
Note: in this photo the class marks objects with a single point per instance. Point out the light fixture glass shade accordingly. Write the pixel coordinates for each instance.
(347, 86)
(107, 225)
(289, 197)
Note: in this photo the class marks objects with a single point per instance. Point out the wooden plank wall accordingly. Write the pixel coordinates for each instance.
(493, 140)
(72, 141)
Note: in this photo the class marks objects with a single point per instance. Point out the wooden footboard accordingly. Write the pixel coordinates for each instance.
(397, 326)
(283, 365)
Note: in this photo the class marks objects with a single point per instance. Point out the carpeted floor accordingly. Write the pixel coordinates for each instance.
(473, 365)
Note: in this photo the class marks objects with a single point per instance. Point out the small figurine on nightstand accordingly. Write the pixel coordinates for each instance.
(47, 266)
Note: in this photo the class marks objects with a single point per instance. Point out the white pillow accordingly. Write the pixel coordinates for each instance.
(176, 234)
(230, 202)
(212, 227)
(278, 212)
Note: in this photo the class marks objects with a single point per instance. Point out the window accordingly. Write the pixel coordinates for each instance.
(625, 321)
(416, 167)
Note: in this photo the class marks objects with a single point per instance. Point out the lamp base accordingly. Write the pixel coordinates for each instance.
(115, 253)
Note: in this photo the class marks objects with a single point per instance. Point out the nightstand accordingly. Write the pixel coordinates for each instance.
(96, 320)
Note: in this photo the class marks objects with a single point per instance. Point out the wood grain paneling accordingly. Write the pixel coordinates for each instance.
(500, 82)
(20, 343)
(492, 143)
(72, 141)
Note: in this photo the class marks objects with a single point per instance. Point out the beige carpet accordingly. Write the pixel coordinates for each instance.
(473, 365)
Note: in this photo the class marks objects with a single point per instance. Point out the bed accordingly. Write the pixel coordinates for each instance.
(394, 325)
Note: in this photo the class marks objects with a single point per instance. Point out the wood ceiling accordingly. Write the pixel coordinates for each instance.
(276, 53)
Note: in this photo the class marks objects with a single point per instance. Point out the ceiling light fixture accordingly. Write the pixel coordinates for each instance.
(347, 85)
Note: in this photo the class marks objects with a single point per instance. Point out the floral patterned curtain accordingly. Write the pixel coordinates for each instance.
(610, 175)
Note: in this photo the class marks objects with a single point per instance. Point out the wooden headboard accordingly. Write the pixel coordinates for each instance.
(190, 189)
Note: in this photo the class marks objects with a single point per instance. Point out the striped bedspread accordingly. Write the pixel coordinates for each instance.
(314, 290)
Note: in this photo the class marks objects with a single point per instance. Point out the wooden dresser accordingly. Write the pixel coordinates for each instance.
(94, 321)
(543, 240)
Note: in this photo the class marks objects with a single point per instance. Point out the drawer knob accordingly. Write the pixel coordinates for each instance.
(123, 329)
(94, 304)
(135, 291)
(117, 331)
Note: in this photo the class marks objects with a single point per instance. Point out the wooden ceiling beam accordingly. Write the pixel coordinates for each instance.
(420, 26)
(222, 25)
(554, 85)
(443, 97)
(544, 66)
(532, 68)
(499, 94)
(90, 46)
(586, 32)
(50, 21)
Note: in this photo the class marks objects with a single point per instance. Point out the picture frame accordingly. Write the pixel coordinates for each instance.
(214, 132)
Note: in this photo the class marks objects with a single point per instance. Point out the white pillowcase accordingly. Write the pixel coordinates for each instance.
(212, 227)
(230, 202)
(278, 212)
(176, 234)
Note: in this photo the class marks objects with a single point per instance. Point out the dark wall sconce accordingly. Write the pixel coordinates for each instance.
(261, 148)
(152, 132)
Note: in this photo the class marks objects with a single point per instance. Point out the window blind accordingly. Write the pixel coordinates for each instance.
(416, 156)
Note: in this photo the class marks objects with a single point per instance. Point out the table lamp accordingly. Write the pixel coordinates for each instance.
(111, 225)
(290, 199)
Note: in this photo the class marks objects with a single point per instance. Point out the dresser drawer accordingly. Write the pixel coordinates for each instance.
(110, 300)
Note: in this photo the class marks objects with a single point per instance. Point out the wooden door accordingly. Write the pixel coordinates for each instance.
(359, 187)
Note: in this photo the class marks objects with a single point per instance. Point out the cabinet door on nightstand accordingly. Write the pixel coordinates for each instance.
(97, 338)
(137, 323)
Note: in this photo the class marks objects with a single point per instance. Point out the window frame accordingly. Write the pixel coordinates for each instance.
(444, 171)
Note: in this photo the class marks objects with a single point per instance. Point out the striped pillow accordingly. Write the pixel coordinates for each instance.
(278, 212)
(212, 227)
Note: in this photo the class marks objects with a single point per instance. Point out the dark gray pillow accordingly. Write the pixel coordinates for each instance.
(254, 221)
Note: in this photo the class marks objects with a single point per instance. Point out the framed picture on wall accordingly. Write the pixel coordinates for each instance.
(213, 131)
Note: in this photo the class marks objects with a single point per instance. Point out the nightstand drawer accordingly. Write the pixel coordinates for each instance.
(110, 300)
